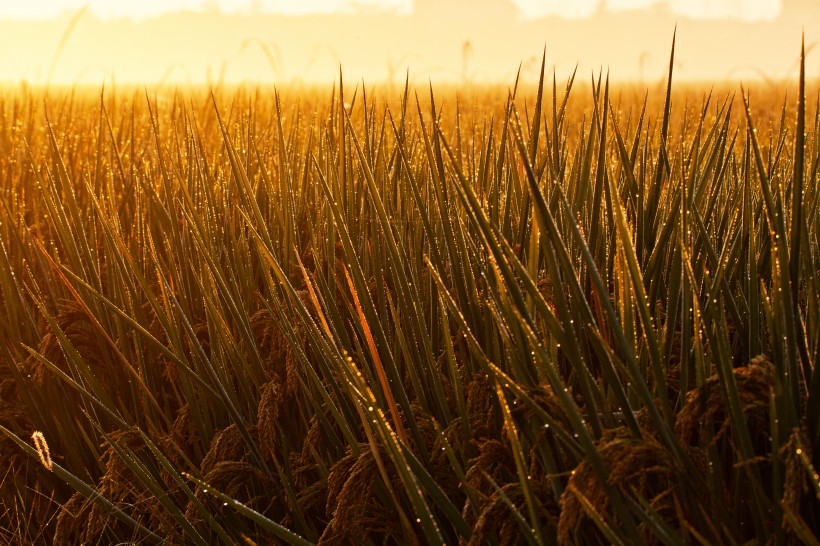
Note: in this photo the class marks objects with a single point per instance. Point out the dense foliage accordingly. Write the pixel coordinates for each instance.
(485, 318)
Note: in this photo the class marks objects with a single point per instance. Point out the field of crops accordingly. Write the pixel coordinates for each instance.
(515, 315)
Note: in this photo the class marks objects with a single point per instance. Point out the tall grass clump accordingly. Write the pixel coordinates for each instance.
(255, 317)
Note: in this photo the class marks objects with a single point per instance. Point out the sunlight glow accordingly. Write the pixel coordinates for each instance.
(571, 9)
(305, 7)
(105, 9)
(234, 41)
(144, 9)
(746, 10)
(628, 5)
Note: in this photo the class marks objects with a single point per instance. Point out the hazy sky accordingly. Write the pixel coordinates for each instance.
(206, 41)
(749, 10)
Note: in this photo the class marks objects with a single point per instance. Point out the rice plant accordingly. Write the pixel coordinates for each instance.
(485, 316)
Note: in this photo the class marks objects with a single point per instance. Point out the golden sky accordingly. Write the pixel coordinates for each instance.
(206, 41)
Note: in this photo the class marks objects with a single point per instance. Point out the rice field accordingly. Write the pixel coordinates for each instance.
(551, 312)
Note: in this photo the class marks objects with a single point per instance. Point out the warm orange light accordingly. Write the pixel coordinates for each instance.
(271, 41)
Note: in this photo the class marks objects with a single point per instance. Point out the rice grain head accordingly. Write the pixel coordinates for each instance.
(42, 449)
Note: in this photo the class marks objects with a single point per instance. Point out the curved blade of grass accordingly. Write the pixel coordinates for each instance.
(573, 413)
(268, 525)
(178, 478)
(141, 330)
(527, 531)
(777, 230)
(53, 368)
(400, 458)
(86, 490)
(643, 303)
(158, 491)
(520, 464)
(598, 519)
